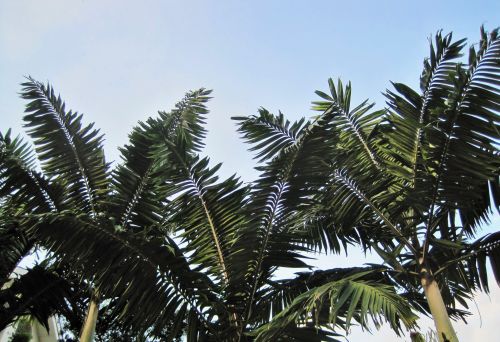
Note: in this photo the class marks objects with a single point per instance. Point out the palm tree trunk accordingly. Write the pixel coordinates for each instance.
(439, 313)
(88, 330)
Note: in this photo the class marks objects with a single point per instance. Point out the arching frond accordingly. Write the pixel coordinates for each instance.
(207, 213)
(411, 112)
(352, 206)
(151, 277)
(67, 150)
(138, 182)
(466, 137)
(279, 294)
(14, 245)
(287, 182)
(40, 293)
(338, 303)
(270, 133)
(353, 126)
(19, 180)
(467, 265)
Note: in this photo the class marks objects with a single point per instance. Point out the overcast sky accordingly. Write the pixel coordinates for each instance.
(120, 61)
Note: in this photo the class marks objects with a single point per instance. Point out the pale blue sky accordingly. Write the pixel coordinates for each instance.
(121, 61)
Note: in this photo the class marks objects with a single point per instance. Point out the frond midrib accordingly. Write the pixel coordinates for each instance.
(60, 120)
(335, 107)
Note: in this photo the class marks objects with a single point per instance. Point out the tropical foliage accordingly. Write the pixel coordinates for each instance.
(412, 182)
(162, 237)
(170, 249)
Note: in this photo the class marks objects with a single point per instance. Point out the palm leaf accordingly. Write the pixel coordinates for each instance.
(19, 181)
(411, 111)
(40, 293)
(138, 191)
(66, 149)
(206, 213)
(152, 278)
(465, 142)
(270, 133)
(350, 299)
(14, 245)
(353, 126)
(285, 184)
(469, 262)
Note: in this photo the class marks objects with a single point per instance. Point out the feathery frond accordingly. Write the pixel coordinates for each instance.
(66, 149)
(340, 302)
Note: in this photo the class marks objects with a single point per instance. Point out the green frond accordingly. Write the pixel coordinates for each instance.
(138, 182)
(14, 244)
(205, 212)
(464, 140)
(151, 278)
(353, 206)
(269, 133)
(487, 247)
(279, 294)
(40, 293)
(20, 182)
(66, 149)
(411, 111)
(287, 183)
(404, 143)
(187, 120)
(135, 198)
(465, 264)
(439, 63)
(338, 303)
(353, 126)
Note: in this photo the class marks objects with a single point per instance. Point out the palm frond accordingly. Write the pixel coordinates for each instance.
(19, 180)
(465, 139)
(66, 149)
(374, 206)
(411, 111)
(353, 126)
(205, 212)
(287, 183)
(270, 133)
(467, 265)
(138, 182)
(279, 294)
(40, 293)
(337, 303)
(354, 198)
(151, 277)
(14, 245)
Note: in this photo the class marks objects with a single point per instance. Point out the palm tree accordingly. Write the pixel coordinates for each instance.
(172, 245)
(413, 182)
(76, 188)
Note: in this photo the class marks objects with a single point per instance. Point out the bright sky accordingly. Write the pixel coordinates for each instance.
(121, 61)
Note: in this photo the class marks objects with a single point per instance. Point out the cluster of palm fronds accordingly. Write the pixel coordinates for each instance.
(171, 249)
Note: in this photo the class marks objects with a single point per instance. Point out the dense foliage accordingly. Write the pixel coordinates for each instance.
(169, 249)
